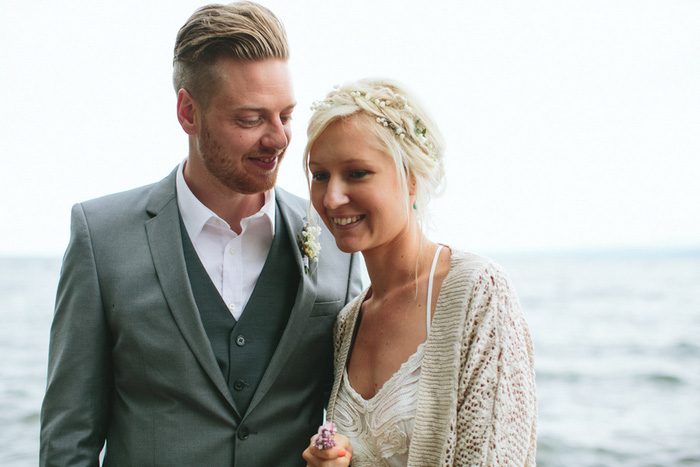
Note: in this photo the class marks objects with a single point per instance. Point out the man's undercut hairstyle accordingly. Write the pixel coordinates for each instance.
(244, 31)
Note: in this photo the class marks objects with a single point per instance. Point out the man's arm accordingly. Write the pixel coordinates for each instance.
(75, 412)
(354, 277)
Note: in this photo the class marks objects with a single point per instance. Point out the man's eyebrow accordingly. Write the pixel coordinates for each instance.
(258, 109)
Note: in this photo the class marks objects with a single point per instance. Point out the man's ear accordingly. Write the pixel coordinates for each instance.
(187, 112)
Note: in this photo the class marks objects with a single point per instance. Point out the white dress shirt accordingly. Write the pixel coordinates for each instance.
(233, 261)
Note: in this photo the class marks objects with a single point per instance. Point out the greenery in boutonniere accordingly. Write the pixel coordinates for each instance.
(310, 248)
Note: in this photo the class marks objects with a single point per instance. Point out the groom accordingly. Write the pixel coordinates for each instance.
(191, 327)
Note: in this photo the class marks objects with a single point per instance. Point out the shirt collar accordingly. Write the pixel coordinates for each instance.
(195, 215)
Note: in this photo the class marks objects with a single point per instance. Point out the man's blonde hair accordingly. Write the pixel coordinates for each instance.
(243, 30)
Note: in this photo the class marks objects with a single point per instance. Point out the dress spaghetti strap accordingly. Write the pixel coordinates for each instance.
(428, 308)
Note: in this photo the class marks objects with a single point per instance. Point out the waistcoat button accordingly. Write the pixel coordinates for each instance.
(240, 341)
(238, 385)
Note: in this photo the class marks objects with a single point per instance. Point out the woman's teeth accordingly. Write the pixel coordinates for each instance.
(346, 220)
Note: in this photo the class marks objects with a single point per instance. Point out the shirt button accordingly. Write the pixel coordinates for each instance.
(231, 306)
(240, 341)
(239, 385)
(232, 251)
(243, 433)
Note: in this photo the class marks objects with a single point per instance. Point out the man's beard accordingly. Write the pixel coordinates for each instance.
(230, 172)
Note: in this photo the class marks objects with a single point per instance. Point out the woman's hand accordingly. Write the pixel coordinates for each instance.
(337, 456)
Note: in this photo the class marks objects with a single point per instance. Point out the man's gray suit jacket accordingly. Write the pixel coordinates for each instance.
(130, 361)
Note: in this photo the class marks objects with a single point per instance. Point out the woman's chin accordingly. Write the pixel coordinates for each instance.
(345, 247)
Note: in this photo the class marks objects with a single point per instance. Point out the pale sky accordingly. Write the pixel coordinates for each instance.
(569, 124)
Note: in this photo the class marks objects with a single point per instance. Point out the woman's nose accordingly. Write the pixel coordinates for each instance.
(335, 196)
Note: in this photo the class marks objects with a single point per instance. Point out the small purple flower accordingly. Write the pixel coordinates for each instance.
(324, 438)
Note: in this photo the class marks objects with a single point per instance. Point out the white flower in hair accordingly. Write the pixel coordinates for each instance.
(419, 130)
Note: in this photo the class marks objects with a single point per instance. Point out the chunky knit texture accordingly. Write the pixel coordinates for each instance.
(476, 396)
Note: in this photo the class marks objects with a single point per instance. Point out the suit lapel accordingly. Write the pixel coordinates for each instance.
(165, 241)
(295, 216)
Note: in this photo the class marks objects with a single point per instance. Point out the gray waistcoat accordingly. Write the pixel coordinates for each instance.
(244, 348)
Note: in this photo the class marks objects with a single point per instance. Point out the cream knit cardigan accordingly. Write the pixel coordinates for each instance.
(476, 394)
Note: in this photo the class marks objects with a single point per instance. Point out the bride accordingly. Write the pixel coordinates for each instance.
(433, 361)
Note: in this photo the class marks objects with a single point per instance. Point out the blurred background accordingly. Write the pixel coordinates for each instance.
(573, 160)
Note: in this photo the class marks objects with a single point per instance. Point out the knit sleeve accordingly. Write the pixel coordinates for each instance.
(342, 339)
(496, 412)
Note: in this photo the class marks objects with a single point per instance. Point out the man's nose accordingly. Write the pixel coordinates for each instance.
(276, 137)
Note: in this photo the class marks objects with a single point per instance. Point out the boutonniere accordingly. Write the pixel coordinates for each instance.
(310, 248)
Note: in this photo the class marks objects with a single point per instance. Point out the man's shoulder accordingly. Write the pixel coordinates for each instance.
(132, 195)
(119, 198)
(132, 200)
(298, 203)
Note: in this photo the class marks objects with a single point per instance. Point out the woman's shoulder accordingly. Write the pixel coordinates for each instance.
(468, 265)
(471, 275)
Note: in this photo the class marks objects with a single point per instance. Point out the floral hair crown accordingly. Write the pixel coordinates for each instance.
(379, 106)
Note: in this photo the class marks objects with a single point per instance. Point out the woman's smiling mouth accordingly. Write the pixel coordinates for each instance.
(346, 220)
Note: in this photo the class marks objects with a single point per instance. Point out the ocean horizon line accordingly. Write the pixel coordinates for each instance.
(599, 252)
(525, 253)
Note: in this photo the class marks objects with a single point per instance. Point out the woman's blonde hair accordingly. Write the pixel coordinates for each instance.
(404, 128)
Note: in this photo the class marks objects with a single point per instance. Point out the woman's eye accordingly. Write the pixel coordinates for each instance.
(319, 176)
(358, 173)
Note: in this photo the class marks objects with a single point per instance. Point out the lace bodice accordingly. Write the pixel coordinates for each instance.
(380, 428)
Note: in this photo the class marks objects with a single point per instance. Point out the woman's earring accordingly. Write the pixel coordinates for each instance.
(415, 206)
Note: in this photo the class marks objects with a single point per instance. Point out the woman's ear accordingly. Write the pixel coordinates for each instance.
(412, 185)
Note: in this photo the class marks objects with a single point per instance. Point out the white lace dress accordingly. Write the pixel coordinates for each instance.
(380, 428)
(477, 401)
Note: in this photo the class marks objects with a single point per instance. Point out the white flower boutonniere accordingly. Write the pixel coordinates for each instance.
(310, 248)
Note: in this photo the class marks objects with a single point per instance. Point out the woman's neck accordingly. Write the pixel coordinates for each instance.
(400, 264)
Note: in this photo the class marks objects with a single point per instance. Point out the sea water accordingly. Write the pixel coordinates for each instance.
(617, 355)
